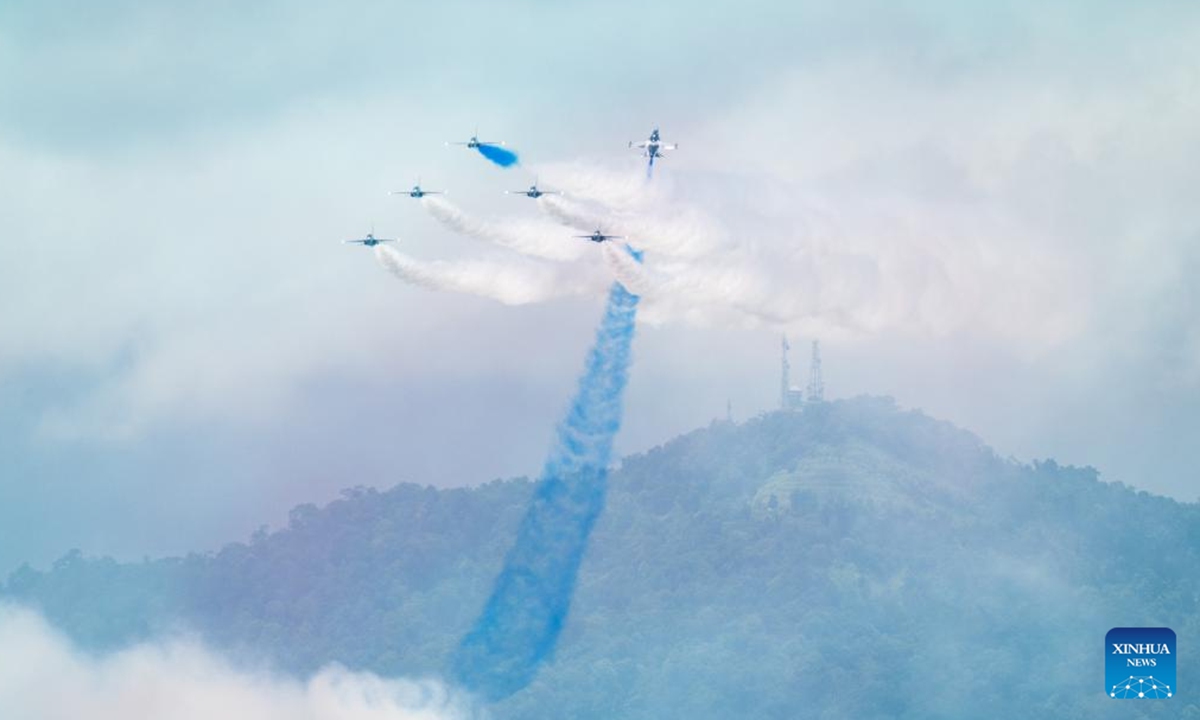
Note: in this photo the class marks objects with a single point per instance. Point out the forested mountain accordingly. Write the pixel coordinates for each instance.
(852, 560)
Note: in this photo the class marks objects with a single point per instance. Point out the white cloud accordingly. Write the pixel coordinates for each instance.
(43, 677)
(201, 282)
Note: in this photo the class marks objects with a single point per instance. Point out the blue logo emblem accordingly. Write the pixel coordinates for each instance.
(1139, 663)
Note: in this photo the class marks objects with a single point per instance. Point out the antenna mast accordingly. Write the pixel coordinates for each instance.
(784, 381)
(816, 384)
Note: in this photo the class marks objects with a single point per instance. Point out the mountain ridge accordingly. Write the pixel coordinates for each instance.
(895, 542)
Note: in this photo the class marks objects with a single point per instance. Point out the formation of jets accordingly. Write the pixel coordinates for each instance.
(652, 148)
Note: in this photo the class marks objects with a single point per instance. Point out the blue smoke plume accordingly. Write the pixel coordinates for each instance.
(520, 624)
(498, 155)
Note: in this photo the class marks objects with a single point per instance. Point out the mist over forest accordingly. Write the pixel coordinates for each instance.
(850, 560)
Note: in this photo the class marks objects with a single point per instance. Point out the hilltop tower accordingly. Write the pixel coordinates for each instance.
(790, 398)
(784, 379)
(816, 384)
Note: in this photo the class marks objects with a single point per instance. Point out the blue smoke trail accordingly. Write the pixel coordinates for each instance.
(498, 155)
(520, 624)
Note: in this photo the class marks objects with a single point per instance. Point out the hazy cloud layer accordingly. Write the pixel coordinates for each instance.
(43, 676)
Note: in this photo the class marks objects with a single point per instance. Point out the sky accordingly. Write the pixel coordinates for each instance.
(985, 211)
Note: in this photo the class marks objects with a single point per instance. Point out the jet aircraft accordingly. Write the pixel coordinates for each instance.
(475, 142)
(416, 191)
(599, 237)
(369, 241)
(533, 192)
(653, 148)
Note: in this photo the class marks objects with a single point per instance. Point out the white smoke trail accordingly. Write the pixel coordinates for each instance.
(627, 271)
(687, 232)
(527, 238)
(679, 286)
(42, 677)
(740, 283)
(683, 231)
(625, 188)
(831, 265)
(511, 284)
(774, 255)
(569, 213)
